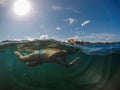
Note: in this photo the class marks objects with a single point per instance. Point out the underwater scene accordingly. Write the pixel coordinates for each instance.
(97, 69)
(59, 44)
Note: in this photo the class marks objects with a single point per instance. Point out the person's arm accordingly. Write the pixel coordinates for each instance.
(72, 62)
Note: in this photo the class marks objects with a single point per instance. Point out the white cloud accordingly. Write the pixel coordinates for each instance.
(44, 37)
(76, 37)
(58, 28)
(70, 20)
(29, 38)
(54, 7)
(85, 23)
(103, 37)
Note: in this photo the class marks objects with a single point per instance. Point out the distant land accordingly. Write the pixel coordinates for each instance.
(65, 42)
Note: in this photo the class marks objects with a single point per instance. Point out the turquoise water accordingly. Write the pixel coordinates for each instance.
(98, 69)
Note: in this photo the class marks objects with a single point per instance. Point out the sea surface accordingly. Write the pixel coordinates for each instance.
(98, 69)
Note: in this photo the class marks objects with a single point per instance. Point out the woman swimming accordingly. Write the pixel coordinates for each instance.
(48, 55)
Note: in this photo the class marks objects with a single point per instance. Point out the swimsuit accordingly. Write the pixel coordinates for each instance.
(40, 51)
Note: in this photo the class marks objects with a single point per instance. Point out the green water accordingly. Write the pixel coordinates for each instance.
(93, 72)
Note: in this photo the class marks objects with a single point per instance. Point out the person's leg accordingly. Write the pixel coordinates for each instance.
(19, 54)
(23, 58)
(65, 63)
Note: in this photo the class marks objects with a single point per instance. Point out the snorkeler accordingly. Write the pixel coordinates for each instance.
(48, 55)
(72, 41)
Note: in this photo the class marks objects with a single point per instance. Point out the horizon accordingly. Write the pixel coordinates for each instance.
(65, 40)
(94, 21)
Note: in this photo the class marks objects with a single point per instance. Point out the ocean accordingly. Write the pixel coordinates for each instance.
(98, 69)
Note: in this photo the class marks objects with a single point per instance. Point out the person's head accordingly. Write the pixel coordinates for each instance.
(71, 41)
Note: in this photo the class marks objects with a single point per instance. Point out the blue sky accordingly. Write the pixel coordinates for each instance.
(89, 20)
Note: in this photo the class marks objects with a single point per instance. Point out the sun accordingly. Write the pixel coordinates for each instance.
(21, 7)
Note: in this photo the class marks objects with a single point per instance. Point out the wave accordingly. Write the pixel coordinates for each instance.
(98, 49)
(90, 49)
